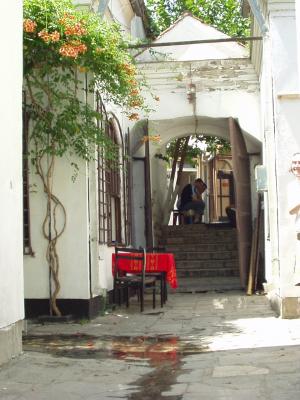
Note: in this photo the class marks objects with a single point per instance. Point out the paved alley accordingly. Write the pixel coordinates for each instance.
(220, 346)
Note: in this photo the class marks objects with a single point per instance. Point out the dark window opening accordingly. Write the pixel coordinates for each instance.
(113, 182)
(27, 248)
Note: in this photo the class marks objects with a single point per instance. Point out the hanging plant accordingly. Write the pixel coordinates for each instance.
(68, 54)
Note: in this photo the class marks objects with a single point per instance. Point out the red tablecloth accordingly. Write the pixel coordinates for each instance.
(155, 262)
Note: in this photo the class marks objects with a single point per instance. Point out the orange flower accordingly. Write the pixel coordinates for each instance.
(49, 37)
(130, 69)
(69, 16)
(66, 17)
(45, 36)
(72, 49)
(135, 103)
(151, 138)
(134, 117)
(155, 138)
(76, 29)
(29, 25)
(55, 36)
(132, 82)
(134, 92)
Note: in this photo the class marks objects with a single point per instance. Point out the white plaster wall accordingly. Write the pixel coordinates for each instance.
(159, 181)
(212, 110)
(284, 51)
(120, 11)
(286, 141)
(224, 88)
(298, 32)
(11, 243)
(189, 28)
(72, 246)
(269, 159)
(105, 276)
(138, 203)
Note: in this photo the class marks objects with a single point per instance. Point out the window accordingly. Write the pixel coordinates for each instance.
(113, 185)
(103, 199)
(27, 249)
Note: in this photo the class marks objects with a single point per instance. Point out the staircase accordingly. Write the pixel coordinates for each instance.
(206, 256)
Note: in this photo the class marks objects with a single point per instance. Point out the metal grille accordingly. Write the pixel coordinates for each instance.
(103, 199)
(113, 177)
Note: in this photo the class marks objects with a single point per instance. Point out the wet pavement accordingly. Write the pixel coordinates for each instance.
(225, 346)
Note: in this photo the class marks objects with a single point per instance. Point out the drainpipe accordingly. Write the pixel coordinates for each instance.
(258, 16)
(102, 6)
(270, 143)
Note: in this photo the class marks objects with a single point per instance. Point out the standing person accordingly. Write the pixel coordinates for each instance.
(294, 209)
(191, 199)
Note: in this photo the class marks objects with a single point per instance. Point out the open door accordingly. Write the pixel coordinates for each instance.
(241, 174)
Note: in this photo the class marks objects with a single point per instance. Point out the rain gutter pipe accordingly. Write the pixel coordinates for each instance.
(258, 16)
(203, 41)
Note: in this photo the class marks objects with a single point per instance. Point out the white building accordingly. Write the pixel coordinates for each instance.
(11, 246)
(276, 62)
(252, 100)
(255, 102)
(97, 206)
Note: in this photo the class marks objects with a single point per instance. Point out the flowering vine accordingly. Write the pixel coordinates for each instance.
(69, 53)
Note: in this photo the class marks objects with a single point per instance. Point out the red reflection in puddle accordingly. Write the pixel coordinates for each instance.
(156, 353)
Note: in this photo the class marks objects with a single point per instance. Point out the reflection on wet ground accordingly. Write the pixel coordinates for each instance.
(164, 354)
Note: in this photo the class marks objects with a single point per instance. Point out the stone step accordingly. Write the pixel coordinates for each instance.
(206, 284)
(193, 229)
(191, 233)
(198, 227)
(199, 264)
(187, 247)
(194, 240)
(203, 251)
(209, 272)
(205, 255)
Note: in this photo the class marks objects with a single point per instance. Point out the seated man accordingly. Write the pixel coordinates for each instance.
(191, 201)
(231, 214)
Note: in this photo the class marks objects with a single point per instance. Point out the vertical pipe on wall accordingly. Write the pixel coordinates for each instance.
(270, 154)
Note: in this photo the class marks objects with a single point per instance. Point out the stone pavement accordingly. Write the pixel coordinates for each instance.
(220, 346)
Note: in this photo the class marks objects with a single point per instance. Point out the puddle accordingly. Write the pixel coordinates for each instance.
(89, 346)
(163, 353)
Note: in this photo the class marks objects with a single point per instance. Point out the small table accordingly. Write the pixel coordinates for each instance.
(155, 262)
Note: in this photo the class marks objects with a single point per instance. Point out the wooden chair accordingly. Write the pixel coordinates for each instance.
(160, 276)
(138, 281)
(178, 215)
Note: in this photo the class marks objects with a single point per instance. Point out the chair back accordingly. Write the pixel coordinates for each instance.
(131, 254)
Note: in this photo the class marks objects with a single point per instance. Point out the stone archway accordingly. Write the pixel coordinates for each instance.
(242, 142)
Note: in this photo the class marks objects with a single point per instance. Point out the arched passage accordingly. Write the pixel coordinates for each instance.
(246, 149)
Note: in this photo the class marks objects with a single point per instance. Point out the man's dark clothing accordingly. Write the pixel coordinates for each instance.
(187, 202)
(186, 196)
